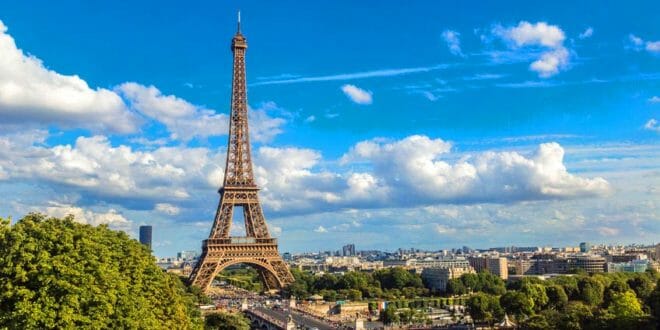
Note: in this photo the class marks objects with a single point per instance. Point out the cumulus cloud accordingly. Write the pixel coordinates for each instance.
(31, 93)
(541, 35)
(414, 166)
(111, 217)
(639, 44)
(453, 42)
(375, 173)
(263, 127)
(321, 229)
(183, 120)
(587, 33)
(99, 170)
(652, 125)
(357, 95)
(654, 99)
(166, 208)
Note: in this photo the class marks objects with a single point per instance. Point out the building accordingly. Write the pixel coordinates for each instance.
(186, 255)
(145, 236)
(523, 266)
(591, 264)
(438, 278)
(420, 265)
(585, 247)
(635, 266)
(348, 250)
(496, 265)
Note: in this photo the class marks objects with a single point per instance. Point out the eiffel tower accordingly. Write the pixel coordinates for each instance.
(257, 248)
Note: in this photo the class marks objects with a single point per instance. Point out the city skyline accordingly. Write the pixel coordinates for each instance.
(456, 126)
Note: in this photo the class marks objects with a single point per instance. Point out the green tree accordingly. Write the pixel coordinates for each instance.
(490, 283)
(326, 282)
(654, 302)
(455, 286)
(569, 283)
(484, 307)
(354, 295)
(625, 305)
(536, 322)
(642, 285)
(616, 286)
(557, 298)
(389, 315)
(226, 321)
(517, 303)
(591, 291)
(537, 293)
(471, 282)
(57, 273)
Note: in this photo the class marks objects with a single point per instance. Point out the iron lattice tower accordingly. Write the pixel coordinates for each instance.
(257, 248)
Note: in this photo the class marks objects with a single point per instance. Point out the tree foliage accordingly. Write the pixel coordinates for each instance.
(226, 321)
(57, 273)
(390, 283)
(557, 298)
(517, 303)
(590, 291)
(625, 305)
(484, 307)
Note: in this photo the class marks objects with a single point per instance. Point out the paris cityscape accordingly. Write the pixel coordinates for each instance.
(329, 165)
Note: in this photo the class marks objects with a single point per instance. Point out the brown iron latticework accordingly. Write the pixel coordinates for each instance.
(257, 248)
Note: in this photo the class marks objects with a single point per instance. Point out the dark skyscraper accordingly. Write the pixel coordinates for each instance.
(145, 236)
(348, 250)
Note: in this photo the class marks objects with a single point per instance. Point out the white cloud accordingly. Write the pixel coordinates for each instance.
(652, 125)
(414, 167)
(352, 76)
(186, 121)
(555, 56)
(653, 46)
(654, 99)
(587, 33)
(639, 44)
(635, 40)
(608, 231)
(357, 95)
(453, 41)
(31, 93)
(444, 230)
(264, 128)
(527, 34)
(183, 120)
(321, 229)
(110, 217)
(550, 62)
(374, 173)
(92, 165)
(166, 208)
(310, 119)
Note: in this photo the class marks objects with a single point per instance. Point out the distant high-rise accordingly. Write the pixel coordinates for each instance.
(585, 247)
(145, 236)
(348, 250)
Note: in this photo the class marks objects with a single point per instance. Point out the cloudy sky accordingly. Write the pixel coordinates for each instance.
(431, 124)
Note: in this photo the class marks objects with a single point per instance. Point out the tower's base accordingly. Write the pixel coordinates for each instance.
(262, 253)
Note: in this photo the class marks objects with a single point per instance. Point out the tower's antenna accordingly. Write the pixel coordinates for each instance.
(239, 22)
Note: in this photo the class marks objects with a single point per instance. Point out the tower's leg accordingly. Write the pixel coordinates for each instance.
(204, 272)
(269, 280)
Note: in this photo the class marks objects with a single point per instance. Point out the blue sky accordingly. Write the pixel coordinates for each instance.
(429, 124)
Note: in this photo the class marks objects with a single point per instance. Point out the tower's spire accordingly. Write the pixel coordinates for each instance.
(238, 27)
